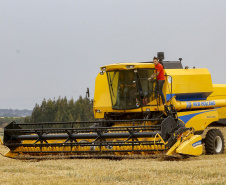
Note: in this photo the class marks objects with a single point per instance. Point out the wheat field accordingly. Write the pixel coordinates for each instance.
(205, 169)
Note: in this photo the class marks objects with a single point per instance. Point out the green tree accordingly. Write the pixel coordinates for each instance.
(62, 110)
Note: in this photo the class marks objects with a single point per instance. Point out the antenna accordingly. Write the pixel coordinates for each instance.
(87, 92)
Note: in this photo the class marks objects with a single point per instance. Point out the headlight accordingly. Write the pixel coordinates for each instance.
(129, 66)
(103, 69)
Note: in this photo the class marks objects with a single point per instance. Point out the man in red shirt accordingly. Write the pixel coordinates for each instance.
(160, 79)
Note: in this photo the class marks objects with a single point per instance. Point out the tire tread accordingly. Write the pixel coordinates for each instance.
(210, 139)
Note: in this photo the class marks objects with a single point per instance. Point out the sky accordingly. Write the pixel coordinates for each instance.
(52, 48)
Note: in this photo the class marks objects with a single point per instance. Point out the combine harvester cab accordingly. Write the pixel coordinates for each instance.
(130, 117)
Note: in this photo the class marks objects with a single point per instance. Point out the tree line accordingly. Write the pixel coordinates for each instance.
(62, 110)
(5, 120)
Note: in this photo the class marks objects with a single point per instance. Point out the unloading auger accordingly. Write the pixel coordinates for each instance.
(130, 119)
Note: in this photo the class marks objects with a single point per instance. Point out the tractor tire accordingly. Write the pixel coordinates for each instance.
(214, 142)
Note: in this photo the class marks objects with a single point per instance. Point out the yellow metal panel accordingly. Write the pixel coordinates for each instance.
(10, 154)
(200, 119)
(193, 146)
(190, 81)
(171, 151)
(124, 66)
(219, 92)
(102, 99)
(221, 112)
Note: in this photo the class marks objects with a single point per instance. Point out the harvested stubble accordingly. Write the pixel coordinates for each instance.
(199, 170)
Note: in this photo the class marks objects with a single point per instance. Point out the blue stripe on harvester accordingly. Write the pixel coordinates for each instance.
(188, 96)
(169, 96)
(186, 118)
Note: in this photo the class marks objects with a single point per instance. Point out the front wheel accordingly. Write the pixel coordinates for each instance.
(214, 142)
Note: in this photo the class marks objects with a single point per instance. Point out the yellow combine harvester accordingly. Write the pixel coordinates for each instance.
(130, 118)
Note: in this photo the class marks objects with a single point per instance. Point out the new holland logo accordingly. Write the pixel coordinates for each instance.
(198, 104)
(204, 103)
(188, 105)
(197, 143)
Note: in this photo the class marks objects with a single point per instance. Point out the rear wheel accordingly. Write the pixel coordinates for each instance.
(214, 142)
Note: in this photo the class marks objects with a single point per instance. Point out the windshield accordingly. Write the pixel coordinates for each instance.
(130, 88)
